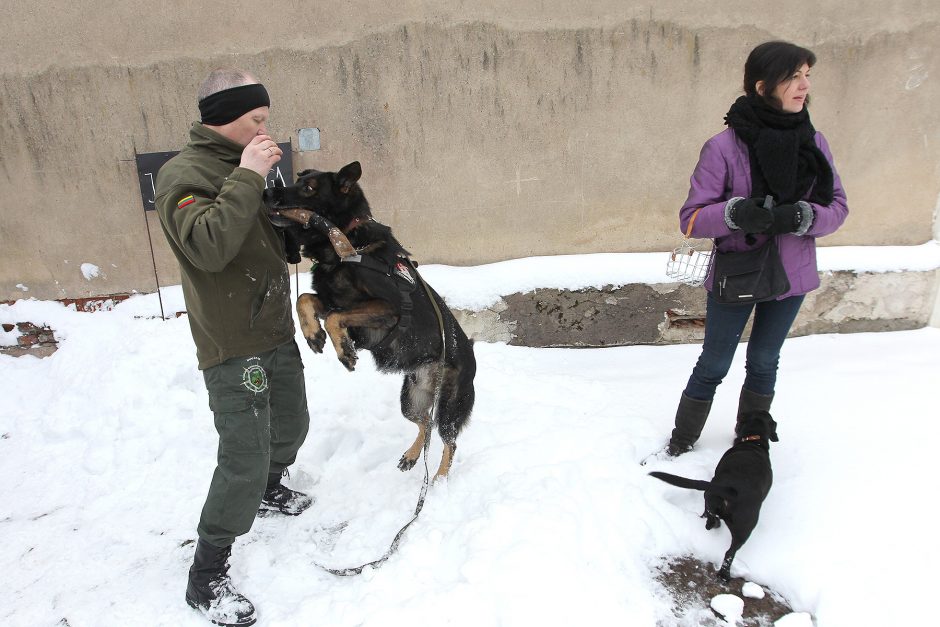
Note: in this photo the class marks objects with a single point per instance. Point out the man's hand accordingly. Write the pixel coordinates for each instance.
(260, 155)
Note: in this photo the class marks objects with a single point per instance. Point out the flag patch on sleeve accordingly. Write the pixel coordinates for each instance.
(188, 200)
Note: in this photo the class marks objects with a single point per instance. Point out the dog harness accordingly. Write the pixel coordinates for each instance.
(403, 271)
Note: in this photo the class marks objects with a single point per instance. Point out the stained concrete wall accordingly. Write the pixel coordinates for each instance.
(670, 313)
(487, 130)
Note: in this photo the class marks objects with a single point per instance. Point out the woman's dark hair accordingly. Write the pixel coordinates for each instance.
(774, 62)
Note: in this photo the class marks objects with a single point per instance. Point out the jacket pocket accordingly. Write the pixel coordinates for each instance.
(260, 300)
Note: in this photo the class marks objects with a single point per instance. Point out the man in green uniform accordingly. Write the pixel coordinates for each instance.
(237, 292)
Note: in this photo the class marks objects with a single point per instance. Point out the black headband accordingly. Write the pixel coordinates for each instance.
(227, 105)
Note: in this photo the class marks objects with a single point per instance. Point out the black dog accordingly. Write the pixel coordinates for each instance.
(370, 297)
(741, 483)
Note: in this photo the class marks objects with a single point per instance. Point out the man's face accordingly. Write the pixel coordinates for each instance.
(242, 130)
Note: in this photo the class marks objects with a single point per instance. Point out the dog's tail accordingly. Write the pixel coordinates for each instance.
(681, 482)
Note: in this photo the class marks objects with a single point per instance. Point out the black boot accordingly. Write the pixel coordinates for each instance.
(749, 402)
(210, 589)
(690, 420)
(279, 499)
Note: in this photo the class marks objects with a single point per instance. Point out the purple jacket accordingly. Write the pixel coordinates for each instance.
(723, 172)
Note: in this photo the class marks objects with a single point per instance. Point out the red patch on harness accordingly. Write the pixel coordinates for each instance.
(402, 270)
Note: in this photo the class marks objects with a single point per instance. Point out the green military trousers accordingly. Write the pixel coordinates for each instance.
(260, 407)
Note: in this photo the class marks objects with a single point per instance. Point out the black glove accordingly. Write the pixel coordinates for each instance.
(751, 216)
(787, 219)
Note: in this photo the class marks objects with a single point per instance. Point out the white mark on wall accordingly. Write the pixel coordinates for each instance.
(917, 75)
(582, 149)
(90, 271)
(936, 233)
(519, 181)
(935, 316)
(20, 286)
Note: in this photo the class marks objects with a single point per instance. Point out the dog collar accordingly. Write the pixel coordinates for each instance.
(751, 438)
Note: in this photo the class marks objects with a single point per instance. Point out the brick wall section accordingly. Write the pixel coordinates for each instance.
(40, 341)
(33, 340)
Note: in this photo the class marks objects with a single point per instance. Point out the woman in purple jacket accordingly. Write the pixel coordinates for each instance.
(769, 148)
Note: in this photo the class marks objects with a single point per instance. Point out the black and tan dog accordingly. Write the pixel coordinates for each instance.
(370, 297)
(742, 481)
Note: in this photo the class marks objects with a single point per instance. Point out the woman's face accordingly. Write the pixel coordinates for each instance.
(791, 93)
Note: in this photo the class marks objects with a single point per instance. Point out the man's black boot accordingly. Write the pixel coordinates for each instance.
(690, 420)
(210, 589)
(279, 499)
(750, 402)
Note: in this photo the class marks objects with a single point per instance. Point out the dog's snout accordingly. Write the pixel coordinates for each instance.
(272, 196)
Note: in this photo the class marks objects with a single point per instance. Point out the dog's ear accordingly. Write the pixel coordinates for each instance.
(348, 176)
(304, 173)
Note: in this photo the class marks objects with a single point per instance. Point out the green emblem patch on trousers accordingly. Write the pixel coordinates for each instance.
(255, 378)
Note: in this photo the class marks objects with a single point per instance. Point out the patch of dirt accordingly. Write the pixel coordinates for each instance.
(692, 584)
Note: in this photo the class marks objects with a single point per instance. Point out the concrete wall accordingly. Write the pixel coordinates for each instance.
(670, 313)
(487, 130)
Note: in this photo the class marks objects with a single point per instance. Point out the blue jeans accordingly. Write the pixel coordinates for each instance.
(723, 327)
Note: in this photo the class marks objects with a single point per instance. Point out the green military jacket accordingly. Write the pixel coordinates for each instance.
(235, 279)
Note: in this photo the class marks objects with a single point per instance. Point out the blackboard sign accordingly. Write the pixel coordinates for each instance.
(148, 164)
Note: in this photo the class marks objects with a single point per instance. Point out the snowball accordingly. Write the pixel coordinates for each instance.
(90, 271)
(794, 619)
(730, 606)
(752, 591)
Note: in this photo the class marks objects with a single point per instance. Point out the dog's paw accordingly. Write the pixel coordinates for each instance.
(349, 361)
(724, 575)
(406, 463)
(348, 357)
(317, 342)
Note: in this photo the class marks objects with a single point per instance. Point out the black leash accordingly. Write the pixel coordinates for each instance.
(356, 570)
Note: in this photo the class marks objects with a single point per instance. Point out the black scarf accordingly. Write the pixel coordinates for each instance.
(785, 161)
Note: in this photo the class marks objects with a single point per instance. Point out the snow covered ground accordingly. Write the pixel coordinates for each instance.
(107, 448)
